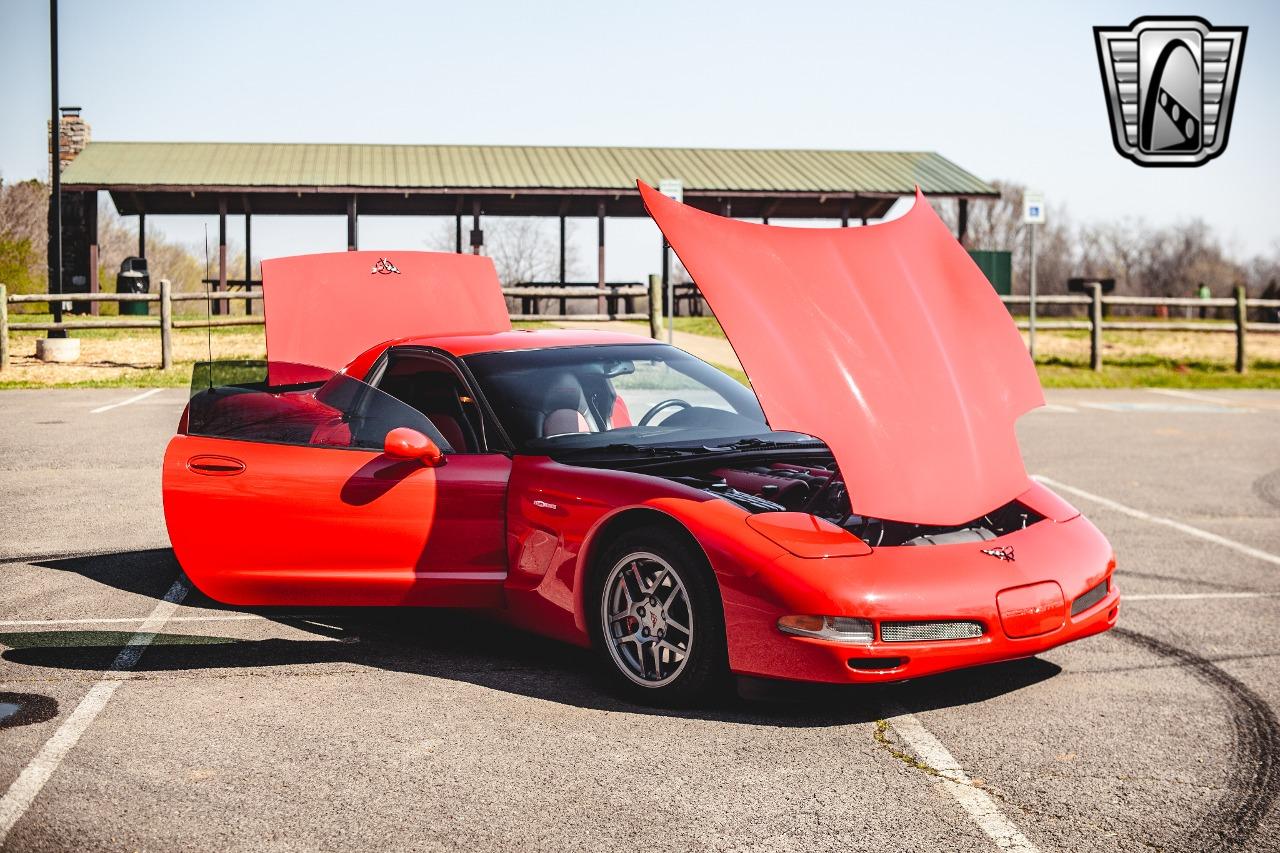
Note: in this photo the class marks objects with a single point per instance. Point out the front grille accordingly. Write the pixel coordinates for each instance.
(1089, 599)
(913, 632)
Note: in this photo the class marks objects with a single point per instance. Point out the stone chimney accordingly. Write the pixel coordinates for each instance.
(74, 132)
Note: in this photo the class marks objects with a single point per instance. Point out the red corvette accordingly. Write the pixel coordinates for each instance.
(860, 514)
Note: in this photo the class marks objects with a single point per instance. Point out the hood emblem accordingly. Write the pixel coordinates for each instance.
(384, 267)
(1005, 553)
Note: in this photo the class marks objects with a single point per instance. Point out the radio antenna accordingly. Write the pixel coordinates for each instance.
(208, 305)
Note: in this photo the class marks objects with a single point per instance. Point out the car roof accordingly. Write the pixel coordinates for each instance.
(515, 339)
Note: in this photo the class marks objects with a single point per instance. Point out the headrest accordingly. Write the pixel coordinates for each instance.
(563, 392)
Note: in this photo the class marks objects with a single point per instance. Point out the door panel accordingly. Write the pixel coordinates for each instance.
(311, 525)
(281, 495)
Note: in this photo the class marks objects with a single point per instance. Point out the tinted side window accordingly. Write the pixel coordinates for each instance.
(340, 412)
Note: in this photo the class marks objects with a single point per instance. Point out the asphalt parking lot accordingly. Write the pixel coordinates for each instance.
(222, 729)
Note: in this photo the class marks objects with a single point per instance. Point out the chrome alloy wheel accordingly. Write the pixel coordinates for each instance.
(647, 619)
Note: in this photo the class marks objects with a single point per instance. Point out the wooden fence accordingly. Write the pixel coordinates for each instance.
(608, 296)
(1095, 303)
(1096, 324)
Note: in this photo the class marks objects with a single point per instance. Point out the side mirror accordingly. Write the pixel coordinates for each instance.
(406, 443)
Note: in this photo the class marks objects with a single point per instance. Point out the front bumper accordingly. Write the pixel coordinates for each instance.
(936, 583)
(821, 660)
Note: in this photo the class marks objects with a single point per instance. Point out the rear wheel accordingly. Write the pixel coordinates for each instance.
(657, 621)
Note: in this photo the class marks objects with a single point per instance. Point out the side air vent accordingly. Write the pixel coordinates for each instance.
(1089, 599)
(915, 632)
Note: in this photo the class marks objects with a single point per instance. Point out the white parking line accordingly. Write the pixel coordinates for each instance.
(975, 801)
(1196, 596)
(1247, 550)
(33, 777)
(1192, 395)
(144, 395)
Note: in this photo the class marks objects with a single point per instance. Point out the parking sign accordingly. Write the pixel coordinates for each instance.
(1033, 208)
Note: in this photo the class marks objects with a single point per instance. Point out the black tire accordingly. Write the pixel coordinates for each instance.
(703, 673)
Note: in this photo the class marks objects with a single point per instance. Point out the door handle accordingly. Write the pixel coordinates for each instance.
(215, 466)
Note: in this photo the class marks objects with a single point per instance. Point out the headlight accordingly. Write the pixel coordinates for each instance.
(841, 629)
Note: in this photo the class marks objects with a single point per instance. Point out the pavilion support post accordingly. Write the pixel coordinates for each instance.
(222, 255)
(457, 232)
(962, 223)
(531, 304)
(600, 279)
(844, 215)
(142, 235)
(248, 261)
(477, 236)
(353, 225)
(562, 251)
(94, 284)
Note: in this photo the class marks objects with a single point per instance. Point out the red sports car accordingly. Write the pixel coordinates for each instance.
(859, 514)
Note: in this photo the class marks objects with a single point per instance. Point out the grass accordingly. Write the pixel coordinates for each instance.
(708, 326)
(128, 358)
(1130, 359)
(121, 358)
(1156, 372)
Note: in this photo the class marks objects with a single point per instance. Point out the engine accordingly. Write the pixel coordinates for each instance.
(819, 489)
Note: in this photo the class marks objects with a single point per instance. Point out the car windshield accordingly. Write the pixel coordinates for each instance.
(623, 398)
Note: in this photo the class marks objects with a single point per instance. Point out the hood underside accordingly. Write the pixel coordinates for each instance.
(886, 342)
(326, 309)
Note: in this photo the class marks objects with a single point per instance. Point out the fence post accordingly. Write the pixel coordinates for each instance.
(166, 324)
(655, 306)
(1242, 318)
(4, 327)
(1095, 326)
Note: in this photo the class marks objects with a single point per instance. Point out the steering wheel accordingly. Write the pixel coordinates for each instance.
(665, 404)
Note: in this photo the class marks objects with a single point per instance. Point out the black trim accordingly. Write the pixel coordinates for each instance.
(488, 419)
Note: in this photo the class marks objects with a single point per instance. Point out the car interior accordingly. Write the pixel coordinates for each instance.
(433, 387)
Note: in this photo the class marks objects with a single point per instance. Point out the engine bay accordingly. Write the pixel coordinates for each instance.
(816, 486)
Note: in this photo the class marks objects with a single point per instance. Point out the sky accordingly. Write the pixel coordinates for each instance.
(1007, 90)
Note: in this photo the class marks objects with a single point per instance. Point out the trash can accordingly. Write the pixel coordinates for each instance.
(133, 278)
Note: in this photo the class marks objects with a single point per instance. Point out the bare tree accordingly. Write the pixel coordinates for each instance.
(996, 225)
(523, 249)
(182, 265)
(24, 235)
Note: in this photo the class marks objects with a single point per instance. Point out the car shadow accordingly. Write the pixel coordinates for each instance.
(465, 646)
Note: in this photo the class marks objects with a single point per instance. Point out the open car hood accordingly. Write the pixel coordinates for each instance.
(887, 342)
(326, 309)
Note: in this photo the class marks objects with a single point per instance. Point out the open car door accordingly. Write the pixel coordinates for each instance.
(284, 496)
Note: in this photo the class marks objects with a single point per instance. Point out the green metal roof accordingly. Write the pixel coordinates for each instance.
(148, 166)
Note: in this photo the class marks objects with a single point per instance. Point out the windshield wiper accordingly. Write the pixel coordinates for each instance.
(628, 448)
(753, 444)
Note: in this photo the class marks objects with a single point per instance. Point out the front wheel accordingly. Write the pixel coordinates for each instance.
(658, 624)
